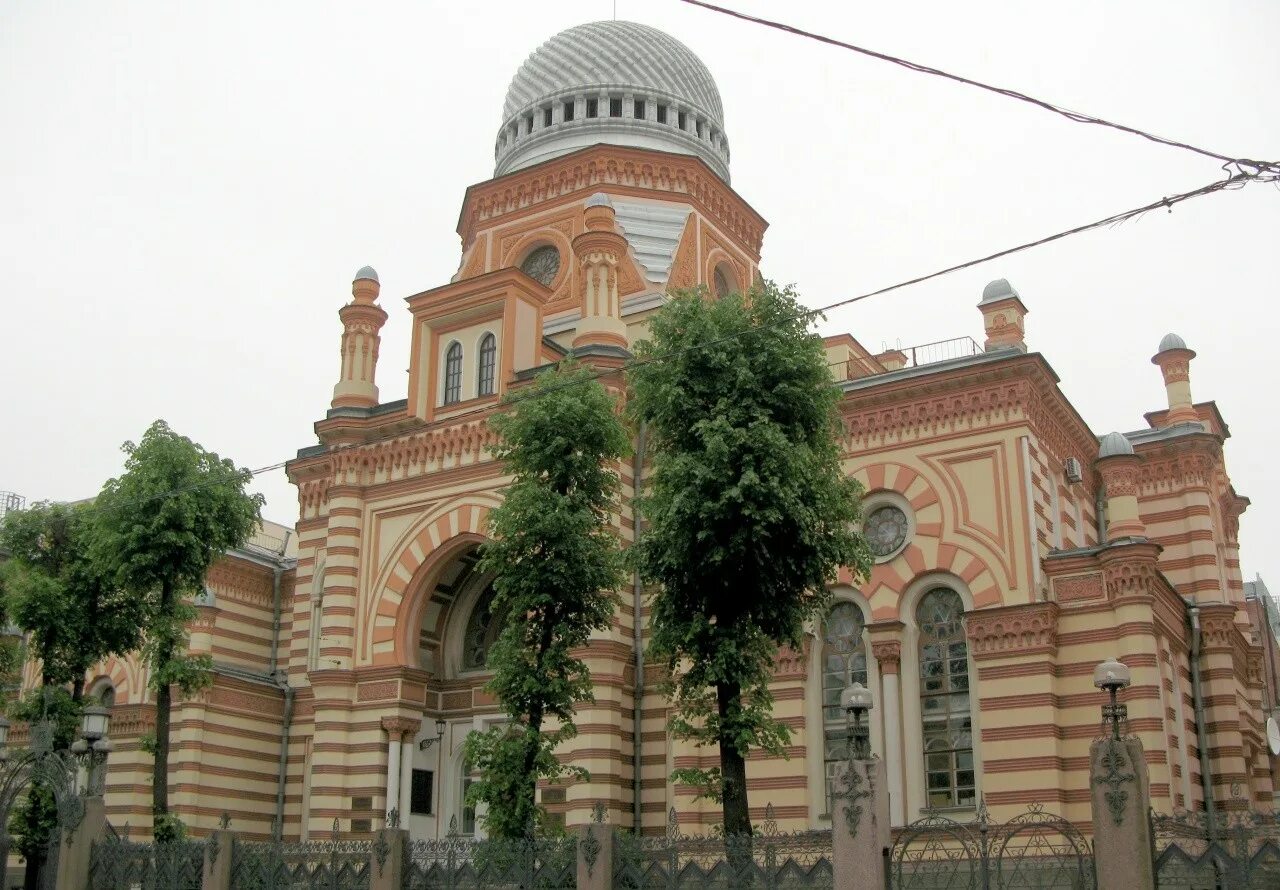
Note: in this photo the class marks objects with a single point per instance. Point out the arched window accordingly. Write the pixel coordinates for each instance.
(483, 628)
(453, 373)
(844, 662)
(488, 359)
(720, 282)
(944, 700)
(104, 692)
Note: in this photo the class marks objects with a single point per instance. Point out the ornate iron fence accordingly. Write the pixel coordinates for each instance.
(333, 864)
(116, 863)
(1239, 850)
(458, 862)
(770, 859)
(1032, 850)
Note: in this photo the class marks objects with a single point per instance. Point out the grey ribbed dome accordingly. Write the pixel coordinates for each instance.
(1172, 341)
(652, 79)
(599, 199)
(366, 272)
(998, 290)
(1114, 444)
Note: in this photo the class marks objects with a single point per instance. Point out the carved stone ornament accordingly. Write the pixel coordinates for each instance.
(381, 850)
(852, 793)
(590, 848)
(1110, 772)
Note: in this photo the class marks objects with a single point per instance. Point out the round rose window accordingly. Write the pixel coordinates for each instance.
(886, 530)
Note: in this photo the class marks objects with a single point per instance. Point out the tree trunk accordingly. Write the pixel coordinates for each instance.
(77, 688)
(733, 767)
(736, 813)
(164, 702)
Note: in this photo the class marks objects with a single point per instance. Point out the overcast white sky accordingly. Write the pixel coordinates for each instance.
(187, 190)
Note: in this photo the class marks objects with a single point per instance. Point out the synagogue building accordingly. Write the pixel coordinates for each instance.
(1016, 546)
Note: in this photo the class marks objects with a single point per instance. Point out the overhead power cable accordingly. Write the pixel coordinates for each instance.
(1233, 182)
(1241, 164)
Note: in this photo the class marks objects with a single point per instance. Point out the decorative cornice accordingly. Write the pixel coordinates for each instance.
(398, 725)
(616, 170)
(1129, 569)
(1013, 630)
(888, 655)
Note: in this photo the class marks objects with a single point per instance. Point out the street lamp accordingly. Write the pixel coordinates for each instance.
(856, 701)
(427, 743)
(1113, 676)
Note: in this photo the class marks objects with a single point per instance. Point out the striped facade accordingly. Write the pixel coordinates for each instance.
(339, 654)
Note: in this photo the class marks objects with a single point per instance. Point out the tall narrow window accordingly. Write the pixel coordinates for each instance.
(488, 358)
(546, 117)
(844, 662)
(568, 111)
(453, 374)
(466, 811)
(317, 617)
(944, 700)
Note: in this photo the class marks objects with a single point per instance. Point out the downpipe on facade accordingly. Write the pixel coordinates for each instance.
(1197, 703)
(637, 481)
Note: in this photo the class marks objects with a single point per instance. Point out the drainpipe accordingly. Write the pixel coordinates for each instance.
(1099, 514)
(281, 679)
(637, 593)
(1197, 702)
(283, 683)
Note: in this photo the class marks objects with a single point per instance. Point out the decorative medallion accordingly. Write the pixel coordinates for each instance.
(542, 265)
(886, 530)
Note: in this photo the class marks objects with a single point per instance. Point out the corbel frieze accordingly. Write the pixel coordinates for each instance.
(1013, 630)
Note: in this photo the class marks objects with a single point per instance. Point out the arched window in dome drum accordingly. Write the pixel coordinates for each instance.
(488, 359)
(453, 373)
(946, 719)
(844, 662)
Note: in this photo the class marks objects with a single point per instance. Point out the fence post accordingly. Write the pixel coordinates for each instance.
(217, 860)
(860, 824)
(595, 856)
(1121, 828)
(76, 846)
(386, 860)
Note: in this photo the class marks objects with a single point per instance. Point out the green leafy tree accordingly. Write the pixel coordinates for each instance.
(73, 612)
(749, 515)
(176, 509)
(555, 564)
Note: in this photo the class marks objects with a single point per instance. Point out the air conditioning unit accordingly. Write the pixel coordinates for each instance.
(1072, 470)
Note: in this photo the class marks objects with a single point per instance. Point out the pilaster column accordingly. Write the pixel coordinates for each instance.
(406, 771)
(394, 733)
(599, 250)
(362, 320)
(888, 655)
(1174, 360)
(1119, 467)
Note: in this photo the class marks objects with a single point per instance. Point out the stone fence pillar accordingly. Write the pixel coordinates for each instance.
(386, 862)
(860, 829)
(1121, 830)
(217, 860)
(595, 856)
(76, 845)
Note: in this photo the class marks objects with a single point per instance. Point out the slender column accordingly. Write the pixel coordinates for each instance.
(406, 774)
(889, 657)
(393, 769)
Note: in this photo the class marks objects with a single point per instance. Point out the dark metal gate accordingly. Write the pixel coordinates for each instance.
(1237, 850)
(1032, 850)
(333, 864)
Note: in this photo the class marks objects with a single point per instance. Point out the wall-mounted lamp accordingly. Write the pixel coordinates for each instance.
(427, 743)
